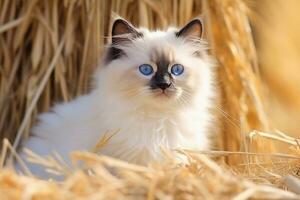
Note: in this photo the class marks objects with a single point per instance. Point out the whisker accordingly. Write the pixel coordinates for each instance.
(184, 99)
(227, 116)
(129, 92)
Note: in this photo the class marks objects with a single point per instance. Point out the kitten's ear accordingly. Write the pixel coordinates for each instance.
(194, 29)
(123, 31)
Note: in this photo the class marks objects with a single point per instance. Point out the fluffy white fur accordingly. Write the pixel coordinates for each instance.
(121, 102)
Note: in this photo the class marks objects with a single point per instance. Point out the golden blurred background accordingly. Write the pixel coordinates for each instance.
(277, 33)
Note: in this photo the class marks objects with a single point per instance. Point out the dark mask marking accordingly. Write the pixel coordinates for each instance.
(162, 78)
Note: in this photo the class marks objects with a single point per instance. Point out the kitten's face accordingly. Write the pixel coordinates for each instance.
(160, 69)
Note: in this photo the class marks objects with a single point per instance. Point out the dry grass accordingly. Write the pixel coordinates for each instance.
(48, 50)
(202, 178)
(232, 44)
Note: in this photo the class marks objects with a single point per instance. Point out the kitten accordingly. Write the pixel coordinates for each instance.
(153, 90)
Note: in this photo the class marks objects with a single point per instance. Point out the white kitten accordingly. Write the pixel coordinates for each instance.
(153, 90)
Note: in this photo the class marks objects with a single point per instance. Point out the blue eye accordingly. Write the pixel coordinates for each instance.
(177, 69)
(146, 69)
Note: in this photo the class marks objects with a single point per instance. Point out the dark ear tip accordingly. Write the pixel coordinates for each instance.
(117, 22)
(197, 21)
(186, 30)
(200, 22)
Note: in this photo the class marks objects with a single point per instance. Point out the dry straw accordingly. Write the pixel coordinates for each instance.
(47, 54)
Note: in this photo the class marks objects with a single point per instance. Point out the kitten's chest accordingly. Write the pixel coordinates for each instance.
(142, 137)
(148, 129)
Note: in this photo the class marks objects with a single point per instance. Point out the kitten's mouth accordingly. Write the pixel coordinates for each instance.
(163, 93)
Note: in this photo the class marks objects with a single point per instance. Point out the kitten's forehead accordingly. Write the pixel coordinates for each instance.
(162, 56)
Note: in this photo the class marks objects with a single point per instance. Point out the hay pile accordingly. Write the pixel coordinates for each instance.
(201, 178)
(47, 54)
